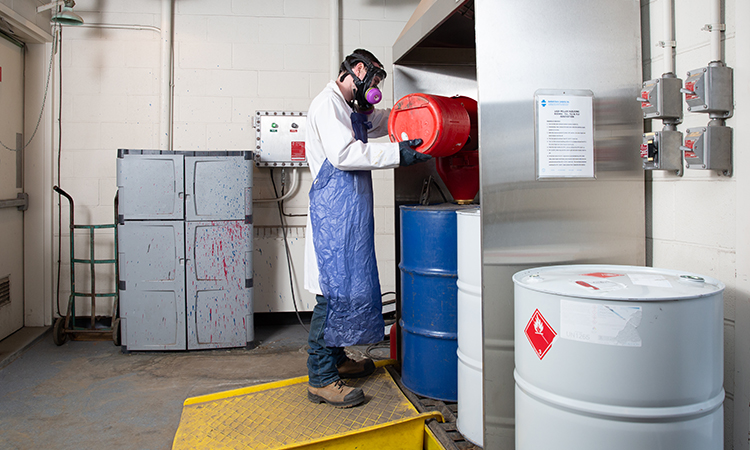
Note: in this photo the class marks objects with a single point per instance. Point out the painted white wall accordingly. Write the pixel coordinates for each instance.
(700, 222)
(232, 58)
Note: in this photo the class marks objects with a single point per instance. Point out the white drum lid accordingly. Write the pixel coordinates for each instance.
(469, 211)
(625, 283)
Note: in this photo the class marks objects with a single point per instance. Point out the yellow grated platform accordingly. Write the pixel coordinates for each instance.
(279, 416)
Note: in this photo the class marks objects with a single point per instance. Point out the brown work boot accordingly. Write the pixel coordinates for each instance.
(337, 394)
(356, 369)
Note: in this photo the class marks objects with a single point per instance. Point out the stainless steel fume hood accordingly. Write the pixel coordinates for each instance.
(504, 53)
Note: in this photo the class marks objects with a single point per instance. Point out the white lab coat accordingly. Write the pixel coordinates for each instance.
(329, 135)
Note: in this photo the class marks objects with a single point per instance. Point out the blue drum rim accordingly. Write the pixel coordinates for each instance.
(444, 335)
(429, 273)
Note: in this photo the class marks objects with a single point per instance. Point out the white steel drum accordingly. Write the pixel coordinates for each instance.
(618, 358)
(469, 351)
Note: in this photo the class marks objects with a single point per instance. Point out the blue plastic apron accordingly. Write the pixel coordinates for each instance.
(344, 237)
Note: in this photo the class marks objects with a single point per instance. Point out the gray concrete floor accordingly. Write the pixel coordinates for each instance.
(91, 395)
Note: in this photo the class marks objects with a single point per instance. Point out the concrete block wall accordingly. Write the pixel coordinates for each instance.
(697, 222)
(231, 59)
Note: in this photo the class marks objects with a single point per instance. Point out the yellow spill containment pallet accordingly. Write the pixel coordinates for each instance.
(279, 416)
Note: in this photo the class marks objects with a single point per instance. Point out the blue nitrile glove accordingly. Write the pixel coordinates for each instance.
(410, 156)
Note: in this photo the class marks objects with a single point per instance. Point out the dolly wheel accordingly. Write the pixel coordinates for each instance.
(116, 332)
(58, 332)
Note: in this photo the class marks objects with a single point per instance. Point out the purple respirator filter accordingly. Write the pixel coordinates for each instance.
(373, 96)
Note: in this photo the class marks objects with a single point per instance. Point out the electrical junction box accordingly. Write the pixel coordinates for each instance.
(709, 90)
(280, 139)
(661, 99)
(709, 148)
(660, 150)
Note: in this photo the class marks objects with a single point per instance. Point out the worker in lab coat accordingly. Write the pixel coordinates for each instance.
(340, 265)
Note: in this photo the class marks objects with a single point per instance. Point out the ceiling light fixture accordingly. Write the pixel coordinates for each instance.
(66, 16)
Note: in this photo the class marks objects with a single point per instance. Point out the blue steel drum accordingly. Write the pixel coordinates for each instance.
(429, 271)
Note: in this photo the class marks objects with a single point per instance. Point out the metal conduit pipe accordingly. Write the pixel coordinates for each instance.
(292, 189)
(119, 26)
(715, 28)
(334, 38)
(669, 41)
(167, 86)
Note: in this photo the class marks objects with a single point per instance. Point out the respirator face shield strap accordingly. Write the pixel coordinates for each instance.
(366, 91)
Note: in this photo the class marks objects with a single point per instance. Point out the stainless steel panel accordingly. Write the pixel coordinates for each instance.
(523, 47)
(218, 187)
(152, 285)
(219, 284)
(150, 186)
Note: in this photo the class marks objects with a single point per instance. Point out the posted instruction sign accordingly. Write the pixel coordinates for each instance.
(564, 126)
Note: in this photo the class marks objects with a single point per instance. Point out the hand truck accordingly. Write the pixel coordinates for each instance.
(91, 327)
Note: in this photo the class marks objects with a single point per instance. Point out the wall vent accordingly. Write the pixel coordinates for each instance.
(4, 291)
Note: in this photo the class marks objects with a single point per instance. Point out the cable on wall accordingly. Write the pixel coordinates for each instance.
(58, 34)
(288, 255)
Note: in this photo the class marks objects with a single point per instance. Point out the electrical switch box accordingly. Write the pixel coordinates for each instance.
(709, 148)
(280, 139)
(709, 90)
(660, 150)
(661, 99)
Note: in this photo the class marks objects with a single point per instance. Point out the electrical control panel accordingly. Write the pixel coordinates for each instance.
(280, 139)
(709, 90)
(661, 99)
(709, 148)
(660, 150)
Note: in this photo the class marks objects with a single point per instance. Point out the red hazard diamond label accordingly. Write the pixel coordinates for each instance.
(540, 334)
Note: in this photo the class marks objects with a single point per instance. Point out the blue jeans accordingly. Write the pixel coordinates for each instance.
(322, 361)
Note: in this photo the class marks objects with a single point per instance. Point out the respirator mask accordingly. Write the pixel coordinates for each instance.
(365, 94)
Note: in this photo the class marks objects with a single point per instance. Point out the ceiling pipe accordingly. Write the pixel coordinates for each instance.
(117, 26)
(335, 38)
(166, 140)
(669, 42)
(715, 28)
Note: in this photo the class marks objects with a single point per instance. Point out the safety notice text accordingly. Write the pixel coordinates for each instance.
(565, 136)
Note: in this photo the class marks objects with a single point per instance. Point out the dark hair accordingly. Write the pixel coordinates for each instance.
(359, 55)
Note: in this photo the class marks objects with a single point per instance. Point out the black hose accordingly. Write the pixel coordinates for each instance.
(59, 201)
(378, 345)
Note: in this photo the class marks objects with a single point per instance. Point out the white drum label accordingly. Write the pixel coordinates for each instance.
(598, 323)
(647, 279)
(600, 285)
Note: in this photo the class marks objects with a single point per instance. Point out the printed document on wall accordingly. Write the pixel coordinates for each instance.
(564, 133)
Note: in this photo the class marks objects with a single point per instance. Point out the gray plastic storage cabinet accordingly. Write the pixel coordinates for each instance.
(185, 249)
